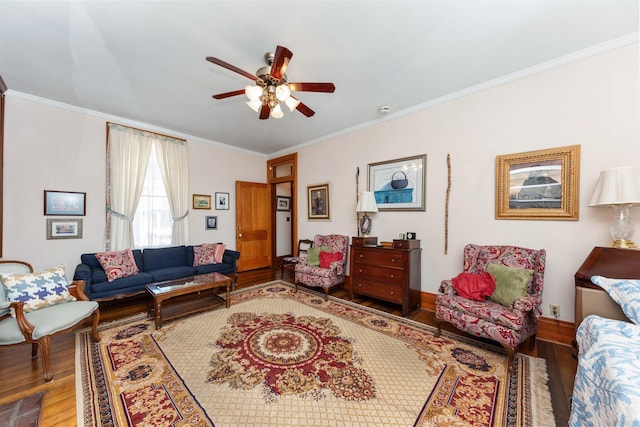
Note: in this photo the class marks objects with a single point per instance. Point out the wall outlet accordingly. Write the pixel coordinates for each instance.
(555, 311)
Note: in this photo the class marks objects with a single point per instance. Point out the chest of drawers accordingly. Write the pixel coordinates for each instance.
(388, 274)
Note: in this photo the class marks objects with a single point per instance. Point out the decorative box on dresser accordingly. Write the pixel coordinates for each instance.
(614, 263)
(388, 273)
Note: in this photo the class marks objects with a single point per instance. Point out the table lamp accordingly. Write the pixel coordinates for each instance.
(620, 189)
(367, 204)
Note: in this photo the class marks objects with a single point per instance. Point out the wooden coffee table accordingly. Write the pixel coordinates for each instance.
(194, 291)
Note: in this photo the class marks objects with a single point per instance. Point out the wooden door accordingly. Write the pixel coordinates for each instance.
(253, 225)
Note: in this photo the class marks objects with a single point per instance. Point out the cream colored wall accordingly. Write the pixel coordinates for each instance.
(52, 147)
(593, 102)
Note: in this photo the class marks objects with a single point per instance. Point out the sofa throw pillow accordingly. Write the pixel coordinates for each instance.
(475, 286)
(625, 292)
(313, 255)
(326, 258)
(203, 254)
(218, 252)
(117, 264)
(511, 283)
(37, 290)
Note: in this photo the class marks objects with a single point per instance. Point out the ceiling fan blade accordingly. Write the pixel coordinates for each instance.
(280, 62)
(305, 110)
(264, 111)
(312, 87)
(229, 94)
(233, 68)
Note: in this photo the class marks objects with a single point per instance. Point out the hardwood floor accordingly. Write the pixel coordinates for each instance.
(21, 376)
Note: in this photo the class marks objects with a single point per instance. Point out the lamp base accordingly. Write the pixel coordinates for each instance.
(365, 225)
(623, 244)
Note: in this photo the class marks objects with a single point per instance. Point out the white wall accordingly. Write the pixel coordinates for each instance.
(48, 147)
(592, 102)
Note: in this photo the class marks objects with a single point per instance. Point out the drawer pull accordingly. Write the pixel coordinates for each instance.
(393, 260)
(359, 270)
(391, 293)
(361, 256)
(393, 276)
(359, 285)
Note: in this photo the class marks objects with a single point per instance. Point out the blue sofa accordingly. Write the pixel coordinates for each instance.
(155, 265)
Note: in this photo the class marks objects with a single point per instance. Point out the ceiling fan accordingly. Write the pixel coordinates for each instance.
(271, 87)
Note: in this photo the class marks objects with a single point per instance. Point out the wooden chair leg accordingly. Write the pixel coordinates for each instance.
(532, 342)
(94, 325)
(437, 334)
(34, 350)
(326, 294)
(511, 352)
(45, 350)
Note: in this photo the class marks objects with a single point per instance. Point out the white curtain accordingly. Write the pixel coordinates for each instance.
(129, 152)
(174, 162)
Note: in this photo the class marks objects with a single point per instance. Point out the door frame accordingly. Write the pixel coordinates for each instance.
(272, 180)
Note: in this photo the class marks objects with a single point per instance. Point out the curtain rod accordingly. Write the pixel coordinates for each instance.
(147, 131)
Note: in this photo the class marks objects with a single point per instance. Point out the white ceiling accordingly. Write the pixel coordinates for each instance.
(145, 60)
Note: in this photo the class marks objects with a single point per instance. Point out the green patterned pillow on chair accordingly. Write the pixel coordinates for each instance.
(511, 283)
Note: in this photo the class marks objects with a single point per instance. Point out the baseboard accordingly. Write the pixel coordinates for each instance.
(558, 331)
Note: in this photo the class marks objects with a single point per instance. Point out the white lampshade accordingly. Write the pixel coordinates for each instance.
(292, 103)
(276, 112)
(253, 92)
(283, 92)
(255, 104)
(620, 189)
(620, 186)
(367, 202)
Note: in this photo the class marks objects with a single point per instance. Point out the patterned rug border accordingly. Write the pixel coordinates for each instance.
(529, 371)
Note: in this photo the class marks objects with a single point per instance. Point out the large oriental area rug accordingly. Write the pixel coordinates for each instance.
(280, 358)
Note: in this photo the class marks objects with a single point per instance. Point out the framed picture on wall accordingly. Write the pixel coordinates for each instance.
(283, 203)
(211, 223)
(539, 184)
(318, 201)
(64, 228)
(68, 203)
(201, 201)
(399, 185)
(222, 201)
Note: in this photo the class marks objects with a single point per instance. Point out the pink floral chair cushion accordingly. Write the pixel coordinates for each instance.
(317, 276)
(509, 326)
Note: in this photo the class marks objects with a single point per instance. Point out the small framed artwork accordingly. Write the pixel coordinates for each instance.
(64, 228)
(211, 223)
(222, 201)
(201, 201)
(318, 201)
(399, 185)
(283, 203)
(539, 184)
(65, 203)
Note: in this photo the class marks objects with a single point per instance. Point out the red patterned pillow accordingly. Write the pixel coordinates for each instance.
(326, 258)
(117, 264)
(203, 254)
(218, 252)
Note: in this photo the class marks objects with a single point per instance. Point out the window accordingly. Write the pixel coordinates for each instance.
(153, 223)
(147, 189)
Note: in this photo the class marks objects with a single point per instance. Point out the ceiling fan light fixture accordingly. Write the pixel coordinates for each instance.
(276, 112)
(255, 105)
(283, 92)
(253, 92)
(292, 103)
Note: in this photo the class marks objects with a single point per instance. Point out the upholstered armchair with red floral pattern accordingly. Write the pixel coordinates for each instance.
(332, 258)
(510, 324)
